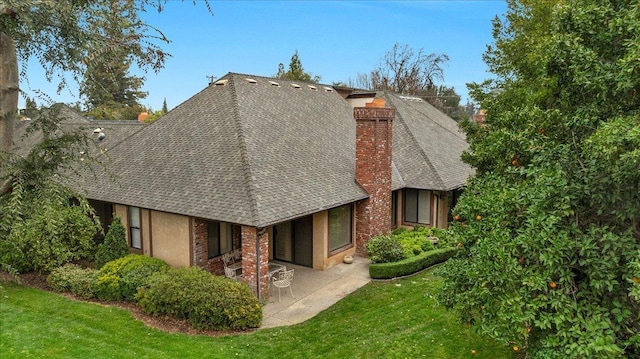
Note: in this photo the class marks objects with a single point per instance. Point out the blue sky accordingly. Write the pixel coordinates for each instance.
(335, 40)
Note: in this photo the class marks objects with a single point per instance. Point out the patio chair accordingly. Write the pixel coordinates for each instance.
(283, 280)
(231, 273)
(227, 259)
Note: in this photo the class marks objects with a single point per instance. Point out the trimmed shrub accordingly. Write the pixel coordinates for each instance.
(410, 265)
(114, 246)
(415, 241)
(205, 300)
(385, 249)
(120, 278)
(74, 279)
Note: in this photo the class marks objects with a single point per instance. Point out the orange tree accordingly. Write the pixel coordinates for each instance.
(549, 227)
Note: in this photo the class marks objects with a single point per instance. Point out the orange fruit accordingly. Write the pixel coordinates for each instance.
(515, 348)
(456, 217)
(635, 279)
(553, 285)
(478, 217)
(514, 162)
(473, 352)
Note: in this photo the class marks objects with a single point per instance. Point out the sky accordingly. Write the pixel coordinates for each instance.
(335, 40)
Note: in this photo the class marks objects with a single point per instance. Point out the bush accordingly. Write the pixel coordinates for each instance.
(120, 279)
(48, 238)
(114, 246)
(205, 300)
(385, 249)
(410, 265)
(73, 279)
(415, 241)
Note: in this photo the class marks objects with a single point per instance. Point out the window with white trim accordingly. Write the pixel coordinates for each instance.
(135, 234)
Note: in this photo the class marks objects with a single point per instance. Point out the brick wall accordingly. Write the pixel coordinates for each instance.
(373, 172)
(200, 248)
(255, 259)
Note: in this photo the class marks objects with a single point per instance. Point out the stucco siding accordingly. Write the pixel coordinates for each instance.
(170, 236)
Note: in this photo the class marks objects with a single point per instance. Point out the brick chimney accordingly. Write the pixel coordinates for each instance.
(373, 170)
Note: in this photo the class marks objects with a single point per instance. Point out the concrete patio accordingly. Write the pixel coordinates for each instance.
(314, 292)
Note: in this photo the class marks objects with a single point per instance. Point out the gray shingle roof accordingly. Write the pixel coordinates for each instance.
(247, 152)
(427, 145)
(71, 120)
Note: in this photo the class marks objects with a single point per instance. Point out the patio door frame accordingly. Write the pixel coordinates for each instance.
(298, 253)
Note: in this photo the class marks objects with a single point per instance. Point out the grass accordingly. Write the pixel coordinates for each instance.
(395, 319)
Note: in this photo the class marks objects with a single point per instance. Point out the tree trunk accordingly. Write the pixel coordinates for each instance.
(8, 91)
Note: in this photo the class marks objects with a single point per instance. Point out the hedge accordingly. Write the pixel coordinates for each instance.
(410, 265)
(119, 279)
(205, 300)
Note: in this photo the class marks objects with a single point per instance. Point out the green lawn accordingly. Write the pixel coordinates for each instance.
(395, 319)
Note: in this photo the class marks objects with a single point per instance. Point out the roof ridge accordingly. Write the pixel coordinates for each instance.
(413, 138)
(244, 156)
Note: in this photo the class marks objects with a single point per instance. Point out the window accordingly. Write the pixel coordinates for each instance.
(417, 206)
(135, 237)
(218, 238)
(340, 228)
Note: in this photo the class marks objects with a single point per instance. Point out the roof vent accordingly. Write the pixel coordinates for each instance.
(328, 89)
(313, 88)
(251, 81)
(295, 86)
(273, 83)
(221, 82)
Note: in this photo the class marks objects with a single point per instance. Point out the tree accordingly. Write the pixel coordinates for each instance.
(41, 217)
(110, 91)
(549, 226)
(114, 246)
(296, 71)
(405, 71)
(165, 109)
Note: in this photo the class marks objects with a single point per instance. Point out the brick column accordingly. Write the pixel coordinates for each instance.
(373, 170)
(255, 259)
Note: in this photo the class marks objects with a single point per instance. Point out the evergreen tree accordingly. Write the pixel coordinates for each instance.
(111, 92)
(114, 246)
(165, 109)
(296, 71)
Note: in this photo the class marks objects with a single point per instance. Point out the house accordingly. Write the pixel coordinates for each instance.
(280, 170)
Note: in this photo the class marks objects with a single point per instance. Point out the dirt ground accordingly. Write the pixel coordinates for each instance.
(163, 323)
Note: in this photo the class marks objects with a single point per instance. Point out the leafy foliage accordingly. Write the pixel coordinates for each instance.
(114, 246)
(207, 301)
(548, 228)
(44, 223)
(415, 241)
(121, 278)
(385, 249)
(74, 279)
